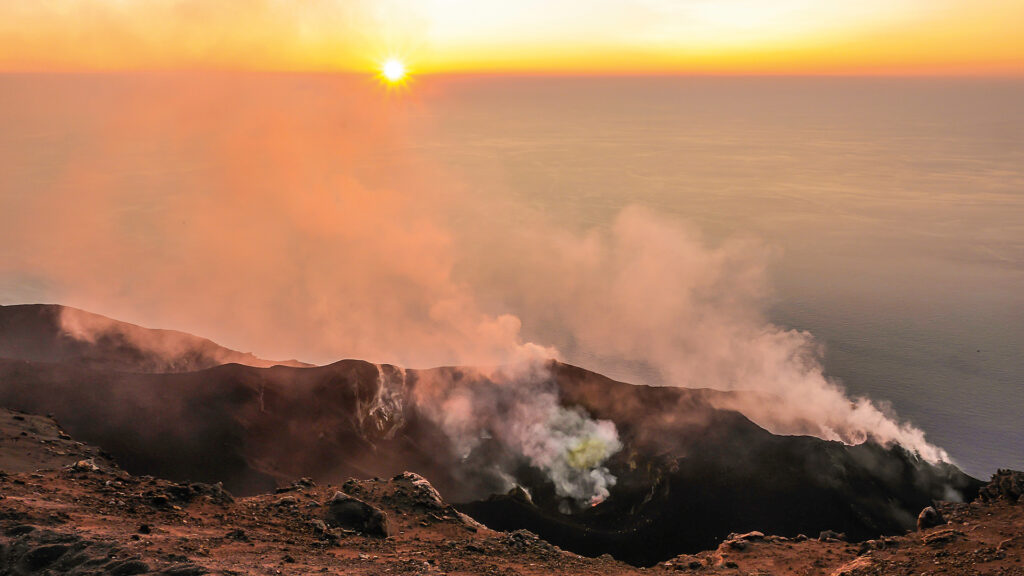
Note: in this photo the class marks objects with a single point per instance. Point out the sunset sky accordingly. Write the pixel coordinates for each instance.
(974, 37)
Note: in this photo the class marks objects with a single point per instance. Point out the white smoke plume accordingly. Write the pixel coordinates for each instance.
(293, 217)
(651, 292)
(517, 406)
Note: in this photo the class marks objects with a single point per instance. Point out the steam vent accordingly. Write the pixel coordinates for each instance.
(553, 463)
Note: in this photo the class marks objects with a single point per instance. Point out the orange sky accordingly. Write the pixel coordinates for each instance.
(530, 36)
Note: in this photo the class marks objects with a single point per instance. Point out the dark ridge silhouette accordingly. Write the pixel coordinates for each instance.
(61, 334)
(689, 474)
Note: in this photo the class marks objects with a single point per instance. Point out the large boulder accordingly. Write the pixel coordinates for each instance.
(929, 518)
(416, 490)
(344, 511)
(1005, 484)
(831, 536)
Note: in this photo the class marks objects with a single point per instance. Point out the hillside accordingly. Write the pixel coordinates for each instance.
(671, 473)
(61, 334)
(90, 517)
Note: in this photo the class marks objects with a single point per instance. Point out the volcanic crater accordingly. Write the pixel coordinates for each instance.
(661, 473)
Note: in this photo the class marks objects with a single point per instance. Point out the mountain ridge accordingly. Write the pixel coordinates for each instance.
(58, 333)
(679, 474)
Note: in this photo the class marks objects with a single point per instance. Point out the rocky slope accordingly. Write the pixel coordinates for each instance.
(680, 474)
(61, 334)
(89, 517)
(683, 483)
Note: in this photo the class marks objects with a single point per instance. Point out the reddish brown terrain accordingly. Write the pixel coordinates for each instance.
(65, 509)
(177, 456)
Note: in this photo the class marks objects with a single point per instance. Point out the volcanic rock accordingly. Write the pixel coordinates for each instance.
(87, 465)
(517, 492)
(929, 518)
(349, 512)
(857, 566)
(1005, 484)
(186, 493)
(830, 535)
(941, 537)
(420, 492)
(127, 568)
(287, 501)
(736, 544)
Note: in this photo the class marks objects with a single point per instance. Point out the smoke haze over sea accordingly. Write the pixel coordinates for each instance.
(777, 234)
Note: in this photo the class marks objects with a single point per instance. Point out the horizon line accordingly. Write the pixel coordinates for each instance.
(582, 74)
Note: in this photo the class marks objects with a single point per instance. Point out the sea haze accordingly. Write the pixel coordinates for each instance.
(890, 213)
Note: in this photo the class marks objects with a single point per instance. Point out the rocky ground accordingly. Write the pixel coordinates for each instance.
(977, 538)
(65, 509)
(672, 469)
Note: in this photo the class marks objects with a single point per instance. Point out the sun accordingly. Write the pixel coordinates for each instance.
(393, 70)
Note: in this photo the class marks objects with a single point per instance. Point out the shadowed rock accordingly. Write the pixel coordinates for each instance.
(1005, 484)
(929, 518)
(344, 511)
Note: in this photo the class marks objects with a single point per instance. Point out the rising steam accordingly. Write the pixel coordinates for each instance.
(516, 408)
(651, 292)
(291, 217)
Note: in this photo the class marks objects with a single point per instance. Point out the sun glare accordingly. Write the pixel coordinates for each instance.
(393, 70)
